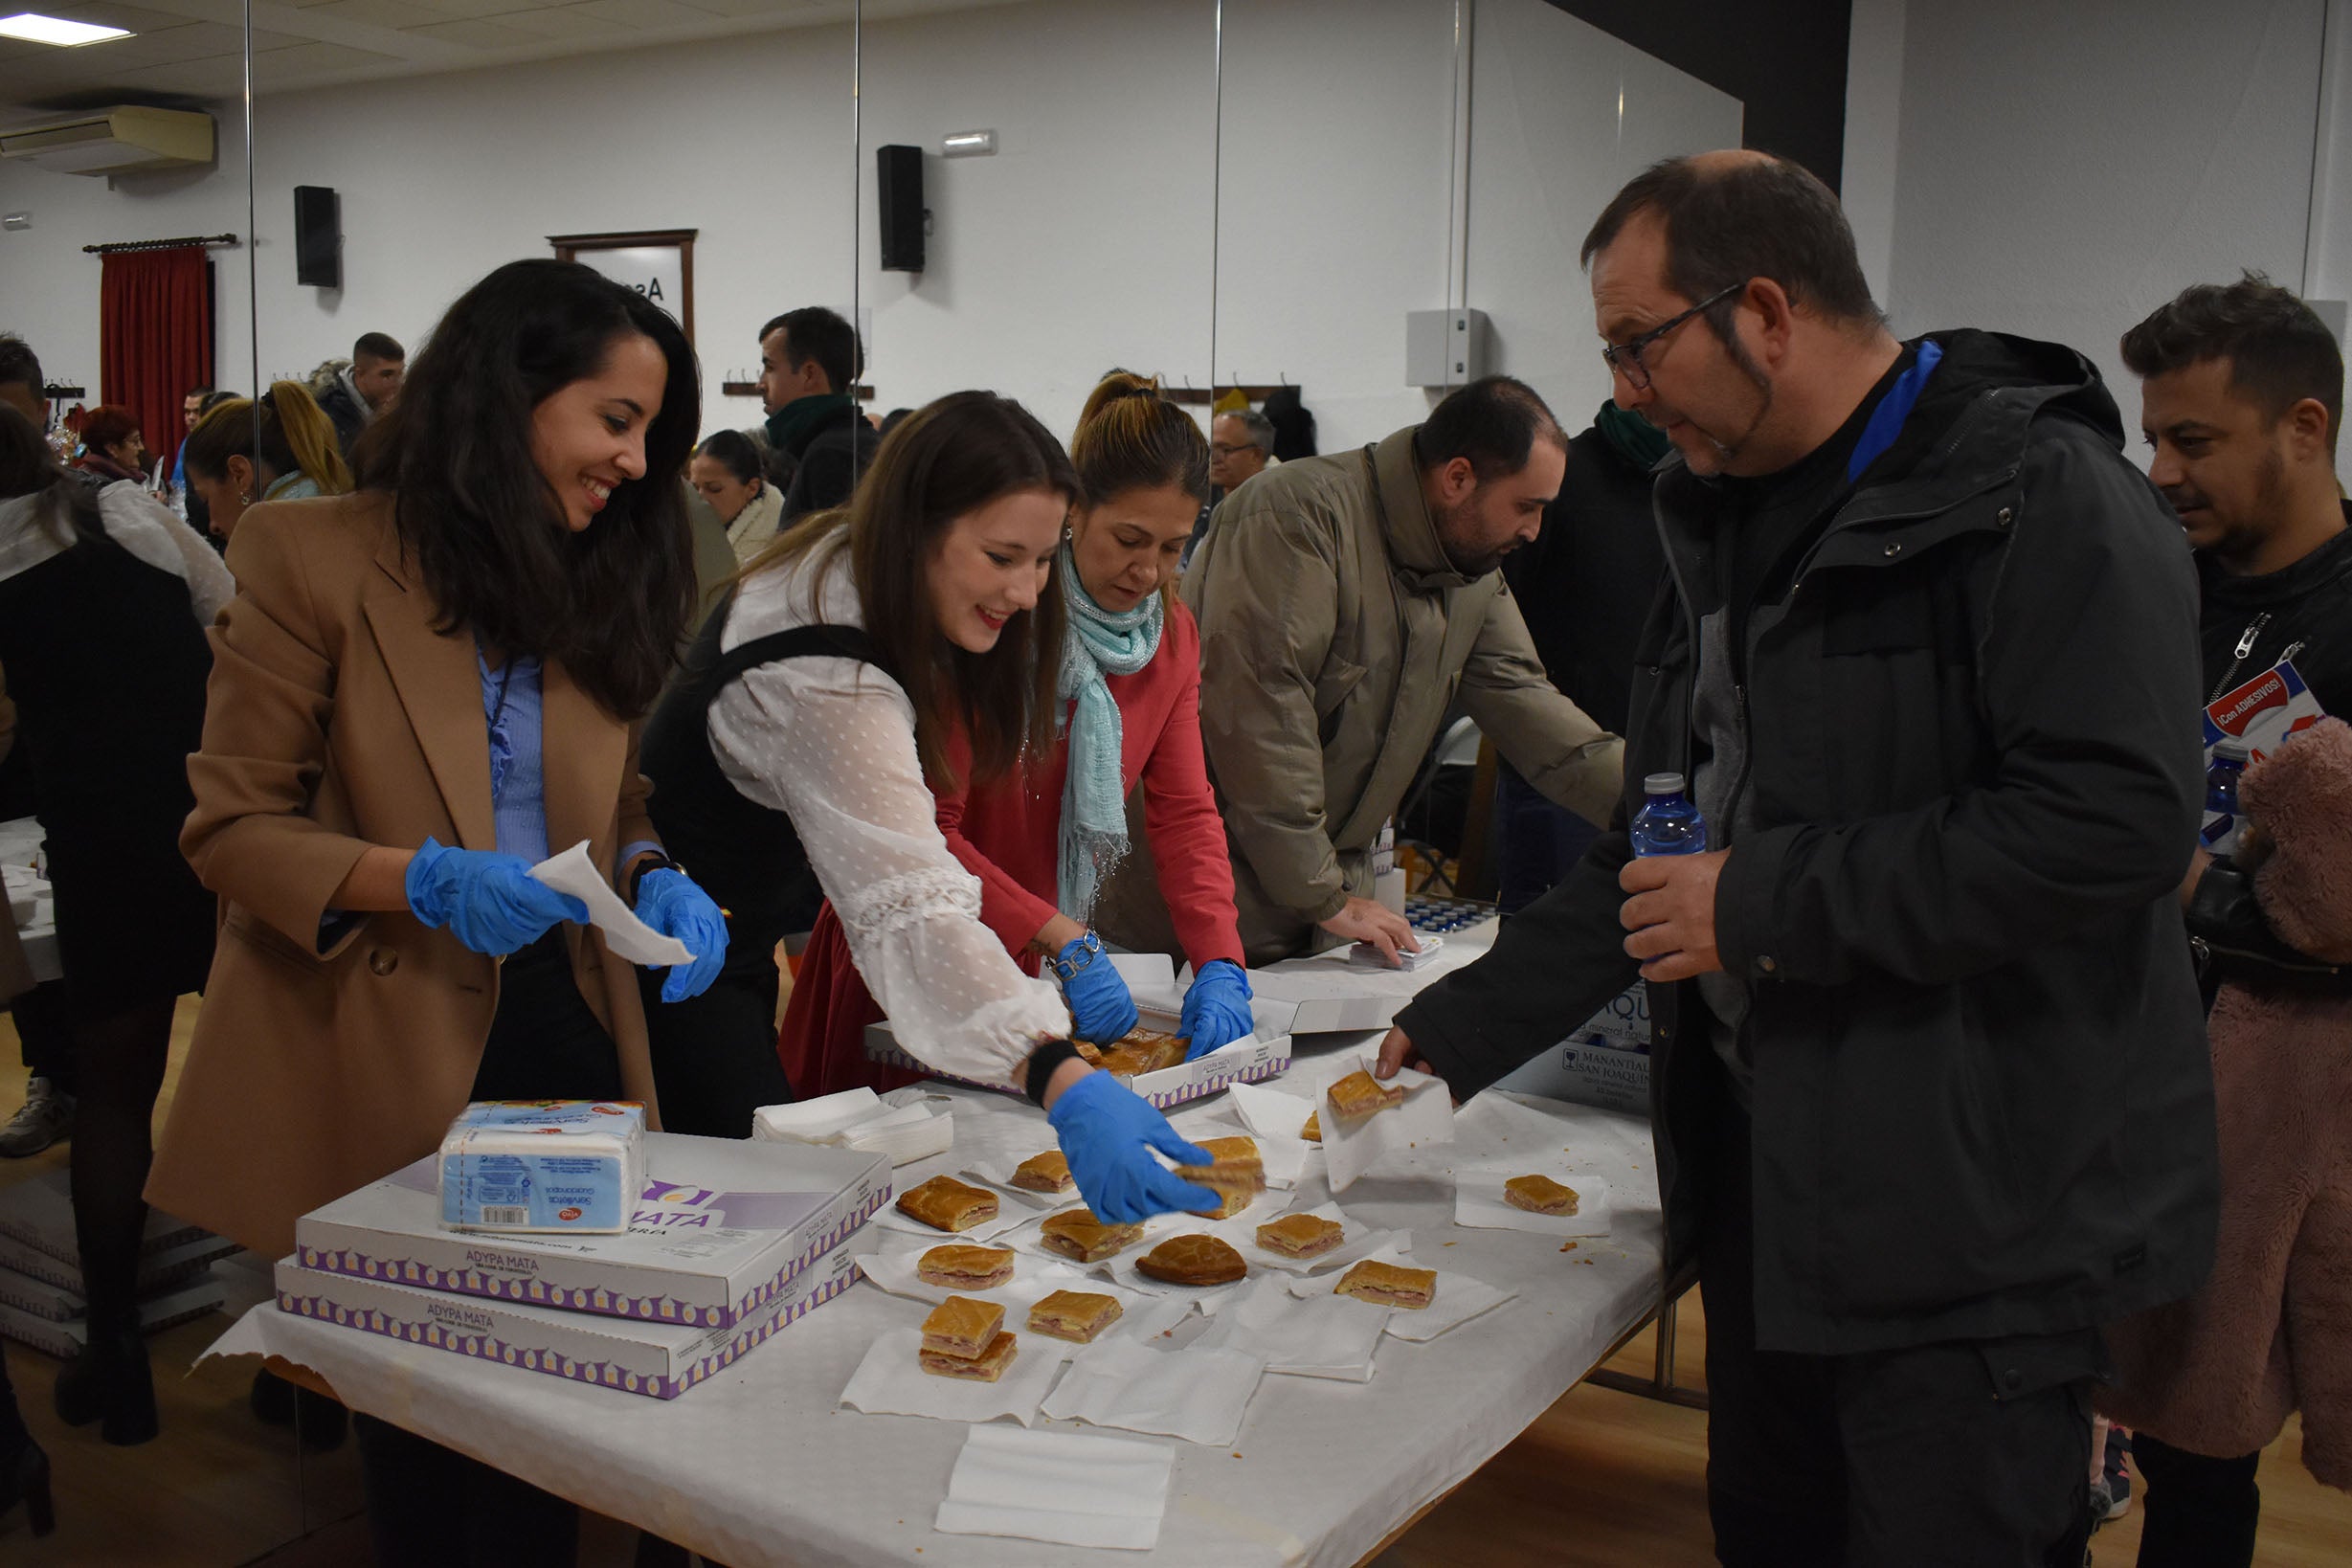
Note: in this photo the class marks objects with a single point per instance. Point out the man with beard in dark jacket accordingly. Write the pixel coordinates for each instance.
(1929, 1080)
(2241, 399)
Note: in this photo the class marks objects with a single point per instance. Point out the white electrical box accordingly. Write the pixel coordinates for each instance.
(1445, 348)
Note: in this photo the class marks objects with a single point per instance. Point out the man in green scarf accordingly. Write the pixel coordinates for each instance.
(809, 361)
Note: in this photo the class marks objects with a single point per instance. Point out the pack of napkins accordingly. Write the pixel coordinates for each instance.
(528, 1166)
(907, 1124)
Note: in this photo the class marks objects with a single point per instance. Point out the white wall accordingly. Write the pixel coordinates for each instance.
(1094, 237)
(2062, 170)
(49, 289)
(1562, 115)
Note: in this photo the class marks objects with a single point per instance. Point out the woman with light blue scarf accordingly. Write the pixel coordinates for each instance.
(1131, 679)
(1044, 842)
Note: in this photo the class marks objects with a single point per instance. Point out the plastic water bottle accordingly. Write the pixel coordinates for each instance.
(1667, 823)
(2223, 822)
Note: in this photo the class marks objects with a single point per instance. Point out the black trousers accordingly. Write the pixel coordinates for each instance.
(714, 1056)
(2200, 1512)
(1970, 1454)
(432, 1507)
(45, 1032)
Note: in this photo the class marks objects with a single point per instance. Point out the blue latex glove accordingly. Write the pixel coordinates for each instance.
(1217, 1007)
(1101, 1010)
(1108, 1133)
(488, 901)
(672, 903)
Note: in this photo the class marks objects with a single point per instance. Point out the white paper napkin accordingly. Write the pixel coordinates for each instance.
(1272, 1112)
(891, 1381)
(1008, 1482)
(1426, 1118)
(1479, 1201)
(1311, 1337)
(1458, 1298)
(1358, 1241)
(629, 938)
(1194, 1394)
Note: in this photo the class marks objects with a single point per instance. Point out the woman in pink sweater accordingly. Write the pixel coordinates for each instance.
(1042, 841)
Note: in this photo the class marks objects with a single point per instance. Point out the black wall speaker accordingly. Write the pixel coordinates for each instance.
(898, 175)
(317, 236)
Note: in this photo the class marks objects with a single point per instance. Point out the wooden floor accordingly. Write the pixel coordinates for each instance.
(1603, 1480)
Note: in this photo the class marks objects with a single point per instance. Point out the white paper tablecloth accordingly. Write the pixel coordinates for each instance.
(756, 1467)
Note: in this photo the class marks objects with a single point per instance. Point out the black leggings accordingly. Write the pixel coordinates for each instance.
(714, 1056)
(2200, 1512)
(429, 1506)
(119, 1060)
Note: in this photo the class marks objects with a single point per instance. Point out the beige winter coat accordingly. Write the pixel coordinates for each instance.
(1335, 637)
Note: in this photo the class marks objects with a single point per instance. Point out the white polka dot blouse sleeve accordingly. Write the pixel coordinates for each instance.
(831, 742)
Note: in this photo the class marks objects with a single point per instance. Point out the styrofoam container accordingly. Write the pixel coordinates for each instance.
(723, 1228)
(1266, 1053)
(661, 1360)
(565, 1167)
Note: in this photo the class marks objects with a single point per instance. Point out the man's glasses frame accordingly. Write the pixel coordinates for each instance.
(1626, 358)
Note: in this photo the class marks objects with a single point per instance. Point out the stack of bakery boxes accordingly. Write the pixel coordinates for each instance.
(40, 1273)
(509, 1245)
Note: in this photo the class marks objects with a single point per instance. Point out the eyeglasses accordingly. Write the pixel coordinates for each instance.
(1223, 450)
(1626, 358)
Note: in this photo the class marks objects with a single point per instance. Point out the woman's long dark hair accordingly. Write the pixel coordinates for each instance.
(950, 457)
(485, 528)
(28, 468)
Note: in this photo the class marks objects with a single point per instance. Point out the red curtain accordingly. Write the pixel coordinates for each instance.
(154, 336)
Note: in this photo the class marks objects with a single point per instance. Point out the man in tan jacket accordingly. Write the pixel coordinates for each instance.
(1346, 603)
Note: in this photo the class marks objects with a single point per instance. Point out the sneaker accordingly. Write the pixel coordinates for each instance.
(47, 1116)
(2117, 1473)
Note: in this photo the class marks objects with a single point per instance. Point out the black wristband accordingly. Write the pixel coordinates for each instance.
(655, 860)
(1041, 1065)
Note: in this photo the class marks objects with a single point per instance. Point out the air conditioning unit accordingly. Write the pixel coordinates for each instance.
(129, 138)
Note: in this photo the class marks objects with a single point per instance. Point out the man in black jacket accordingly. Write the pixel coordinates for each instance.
(1929, 1079)
(2241, 401)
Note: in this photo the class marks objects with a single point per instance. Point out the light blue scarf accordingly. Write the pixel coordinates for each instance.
(1094, 836)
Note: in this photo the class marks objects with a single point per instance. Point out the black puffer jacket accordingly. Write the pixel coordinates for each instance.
(1983, 1105)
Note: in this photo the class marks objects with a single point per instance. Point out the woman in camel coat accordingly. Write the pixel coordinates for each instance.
(422, 690)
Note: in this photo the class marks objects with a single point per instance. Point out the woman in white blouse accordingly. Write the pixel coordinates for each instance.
(808, 729)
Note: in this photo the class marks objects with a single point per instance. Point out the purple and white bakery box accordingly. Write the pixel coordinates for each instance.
(661, 1360)
(724, 1230)
(1265, 1054)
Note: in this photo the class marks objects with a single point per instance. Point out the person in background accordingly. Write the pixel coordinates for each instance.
(1294, 427)
(725, 472)
(1241, 447)
(1346, 603)
(809, 363)
(1929, 1077)
(113, 451)
(1585, 586)
(236, 459)
(2241, 402)
(421, 689)
(40, 1011)
(817, 714)
(364, 389)
(21, 382)
(106, 656)
(192, 409)
(1042, 837)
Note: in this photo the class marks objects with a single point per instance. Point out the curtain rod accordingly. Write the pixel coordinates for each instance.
(159, 244)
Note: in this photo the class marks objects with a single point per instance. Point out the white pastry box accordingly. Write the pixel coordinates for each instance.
(661, 1360)
(1266, 1053)
(724, 1228)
